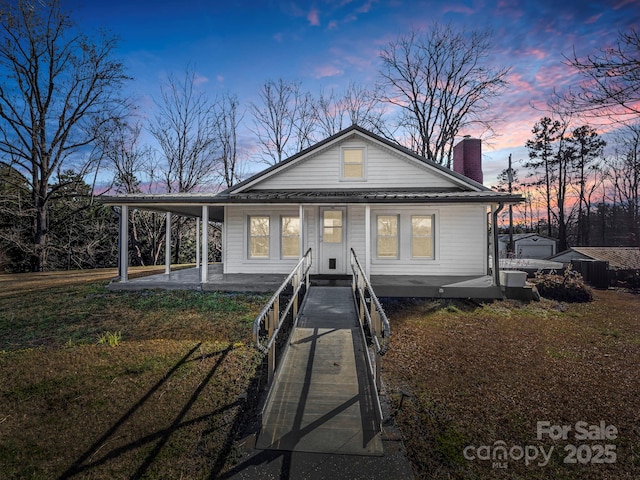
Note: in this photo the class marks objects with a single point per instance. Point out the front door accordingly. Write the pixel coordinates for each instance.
(333, 228)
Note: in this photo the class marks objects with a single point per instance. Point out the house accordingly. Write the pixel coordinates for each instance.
(418, 228)
(527, 245)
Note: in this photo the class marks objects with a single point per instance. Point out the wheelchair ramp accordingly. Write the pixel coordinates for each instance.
(323, 398)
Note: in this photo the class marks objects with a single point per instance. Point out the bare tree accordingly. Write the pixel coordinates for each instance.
(59, 88)
(356, 106)
(441, 82)
(624, 173)
(611, 83)
(227, 122)
(132, 165)
(185, 127)
(120, 149)
(283, 119)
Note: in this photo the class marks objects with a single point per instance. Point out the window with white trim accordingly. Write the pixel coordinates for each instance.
(259, 236)
(353, 163)
(422, 236)
(290, 237)
(387, 236)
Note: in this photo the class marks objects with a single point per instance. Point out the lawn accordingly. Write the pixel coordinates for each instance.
(164, 401)
(168, 397)
(484, 376)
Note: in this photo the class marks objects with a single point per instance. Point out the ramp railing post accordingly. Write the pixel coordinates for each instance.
(271, 319)
(295, 283)
(271, 356)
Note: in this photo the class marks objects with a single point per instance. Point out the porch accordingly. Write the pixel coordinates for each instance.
(427, 286)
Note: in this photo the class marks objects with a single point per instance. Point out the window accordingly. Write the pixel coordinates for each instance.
(422, 236)
(387, 236)
(353, 163)
(290, 237)
(258, 237)
(332, 226)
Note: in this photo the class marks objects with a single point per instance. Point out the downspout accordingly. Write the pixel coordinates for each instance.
(496, 260)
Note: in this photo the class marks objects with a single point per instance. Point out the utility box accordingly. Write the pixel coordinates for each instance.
(512, 278)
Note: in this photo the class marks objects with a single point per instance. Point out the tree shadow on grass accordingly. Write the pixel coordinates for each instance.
(86, 463)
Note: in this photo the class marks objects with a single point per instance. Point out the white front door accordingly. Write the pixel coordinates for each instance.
(333, 231)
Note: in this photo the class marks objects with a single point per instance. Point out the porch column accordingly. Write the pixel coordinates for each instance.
(124, 244)
(494, 238)
(167, 245)
(204, 272)
(301, 218)
(197, 242)
(367, 240)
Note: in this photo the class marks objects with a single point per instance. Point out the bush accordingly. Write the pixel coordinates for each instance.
(568, 287)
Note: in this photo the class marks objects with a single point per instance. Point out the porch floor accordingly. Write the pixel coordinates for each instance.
(189, 279)
(428, 286)
(431, 286)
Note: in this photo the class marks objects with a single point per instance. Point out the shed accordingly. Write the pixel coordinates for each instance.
(528, 245)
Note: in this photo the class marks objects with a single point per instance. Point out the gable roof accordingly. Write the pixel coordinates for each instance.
(463, 182)
(461, 189)
(624, 258)
(521, 236)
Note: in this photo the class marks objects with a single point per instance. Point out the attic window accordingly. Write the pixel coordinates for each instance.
(353, 163)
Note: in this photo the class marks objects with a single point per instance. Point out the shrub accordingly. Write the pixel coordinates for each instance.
(568, 287)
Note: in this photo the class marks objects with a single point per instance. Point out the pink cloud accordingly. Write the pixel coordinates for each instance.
(536, 52)
(332, 25)
(313, 17)
(517, 82)
(593, 19)
(220, 78)
(623, 3)
(327, 71)
(199, 79)
(458, 9)
(365, 7)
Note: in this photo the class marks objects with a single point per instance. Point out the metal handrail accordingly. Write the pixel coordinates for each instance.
(271, 318)
(384, 330)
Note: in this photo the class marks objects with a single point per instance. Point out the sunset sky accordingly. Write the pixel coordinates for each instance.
(235, 45)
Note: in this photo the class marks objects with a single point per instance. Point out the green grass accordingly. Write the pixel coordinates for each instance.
(164, 402)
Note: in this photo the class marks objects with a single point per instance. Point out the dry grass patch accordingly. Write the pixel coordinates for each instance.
(477, 375)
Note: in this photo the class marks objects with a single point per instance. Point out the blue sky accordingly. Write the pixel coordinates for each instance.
(235, 45)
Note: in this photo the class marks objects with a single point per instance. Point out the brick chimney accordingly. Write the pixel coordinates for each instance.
(467, 158)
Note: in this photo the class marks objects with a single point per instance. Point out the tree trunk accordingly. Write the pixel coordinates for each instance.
(40, 235)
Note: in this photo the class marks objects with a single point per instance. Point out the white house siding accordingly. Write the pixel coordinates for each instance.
(460, 241)
(236, 260)
(356, 236)
(311, 234)
(384, 169)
